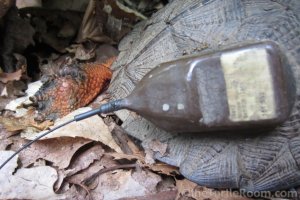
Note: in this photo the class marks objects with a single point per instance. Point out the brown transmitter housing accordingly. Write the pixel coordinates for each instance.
(245, 87)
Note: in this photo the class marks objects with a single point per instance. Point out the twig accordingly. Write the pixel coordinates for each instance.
(85, 188)
(90, 179)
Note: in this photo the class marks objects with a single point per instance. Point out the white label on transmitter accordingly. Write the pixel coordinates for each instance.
(249, 86)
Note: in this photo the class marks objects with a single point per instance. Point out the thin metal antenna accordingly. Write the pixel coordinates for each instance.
(37, 138)
(105, 108)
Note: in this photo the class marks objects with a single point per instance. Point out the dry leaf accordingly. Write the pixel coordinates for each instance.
(84, 160)
(32, 183)
(122, 139)
(4, 138)
(107, 21)
(159, 167)
(13, 123)
(149, 157)
(90, 28)
(60, 179)
(154, 146)
(158, 146)
(120, 184)
(3, 102)
(15, 76)
(59, 151)
(32, 89)
(92, 169)
(163, 168)
(4, 92)
(73, 193)
(187, 188)
(92, 128)
(82, 52)
(119, 156)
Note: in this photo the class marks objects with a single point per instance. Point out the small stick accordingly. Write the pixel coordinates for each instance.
(90, 179)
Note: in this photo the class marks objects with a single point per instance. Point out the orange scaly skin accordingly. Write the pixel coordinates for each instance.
(73, 88)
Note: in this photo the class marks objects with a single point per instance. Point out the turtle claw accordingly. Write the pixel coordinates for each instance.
(40, 117)
(33, 99)
(39, 96)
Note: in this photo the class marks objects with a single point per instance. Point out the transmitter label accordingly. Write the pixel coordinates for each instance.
(249, 86)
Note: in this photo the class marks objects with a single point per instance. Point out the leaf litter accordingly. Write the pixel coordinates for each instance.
(32, 183)
(92, 128)
(93, 158)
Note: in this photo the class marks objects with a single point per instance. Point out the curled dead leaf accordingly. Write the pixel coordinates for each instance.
(13, 123)
(58, 151)
(92, 128)
(120, 183)
(163, 168)
(158, 167)
(158, 146)
(82, 52)
(120, 156)
(85, 159)
(14, 76)
(95, 167)
(37, 182)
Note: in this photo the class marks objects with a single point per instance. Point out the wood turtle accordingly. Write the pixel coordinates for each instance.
(268, 160)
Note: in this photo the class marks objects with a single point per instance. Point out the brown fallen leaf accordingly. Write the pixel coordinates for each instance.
(32, 183)
(5, 138)
(84, 160)
(6, 77)
(3, 102)
(104, 162)
(82, 52)
(190, 189)
(163, 168)
(158, 146)
(119, 184)
(158, 167)
(59, 151)
(123, 140)
(92, 128)
(120, 156)
(60, 179)
(107, 22)
(21, 123)
(90, 29)
(73, 193)
(5, 97)
(153, 147)
(3, 90)
(149, 157)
